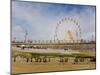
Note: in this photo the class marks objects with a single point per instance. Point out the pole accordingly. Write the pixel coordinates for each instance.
(26, 33)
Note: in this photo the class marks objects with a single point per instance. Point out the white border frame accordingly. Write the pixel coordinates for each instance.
(5, 37)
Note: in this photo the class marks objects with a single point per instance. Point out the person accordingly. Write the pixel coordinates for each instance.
(76, 61)
(31, 59)
(27, 59)
(14, 59)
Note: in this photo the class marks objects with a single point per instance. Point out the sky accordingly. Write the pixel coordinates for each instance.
(39, 20)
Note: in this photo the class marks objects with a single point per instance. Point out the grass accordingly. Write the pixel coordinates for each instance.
(31, 54)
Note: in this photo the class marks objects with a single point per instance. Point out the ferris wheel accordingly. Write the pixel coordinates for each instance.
(67, 30)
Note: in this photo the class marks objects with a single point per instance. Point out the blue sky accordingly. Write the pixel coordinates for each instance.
(40, 20)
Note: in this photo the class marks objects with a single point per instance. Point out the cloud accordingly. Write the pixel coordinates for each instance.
(40, 20)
